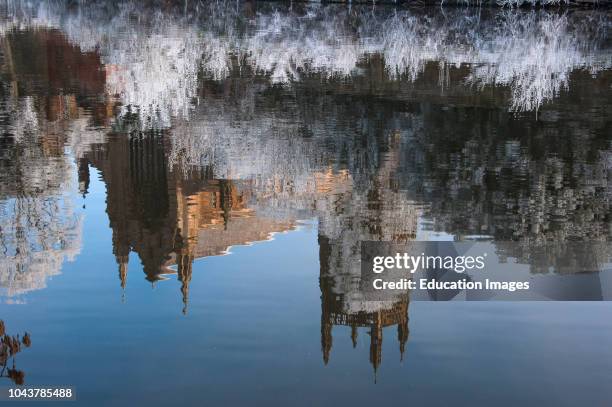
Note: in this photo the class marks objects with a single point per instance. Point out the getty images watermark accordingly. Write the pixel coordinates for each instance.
(486, 271)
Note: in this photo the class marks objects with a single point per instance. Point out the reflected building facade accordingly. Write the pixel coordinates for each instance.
(170, 218)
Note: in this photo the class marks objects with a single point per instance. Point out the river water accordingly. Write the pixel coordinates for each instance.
(184, 190)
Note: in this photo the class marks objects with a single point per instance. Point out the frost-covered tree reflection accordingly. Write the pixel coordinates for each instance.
(38, 235)
(47, 125)
(39, 227)
(153, 62)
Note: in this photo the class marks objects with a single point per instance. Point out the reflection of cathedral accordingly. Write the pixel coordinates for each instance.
(349, 218)
(333, 312)
(170, 219)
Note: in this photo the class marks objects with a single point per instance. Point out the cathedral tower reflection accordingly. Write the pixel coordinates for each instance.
(378, 211)
(334, 312)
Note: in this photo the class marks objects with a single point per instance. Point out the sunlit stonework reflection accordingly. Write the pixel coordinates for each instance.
(170, 219)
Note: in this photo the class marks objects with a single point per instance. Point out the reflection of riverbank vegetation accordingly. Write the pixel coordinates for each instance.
(39, 228)
(10, 346)
(515, 179)
(530, 52)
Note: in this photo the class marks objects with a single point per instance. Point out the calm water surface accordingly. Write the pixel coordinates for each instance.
(183, 193)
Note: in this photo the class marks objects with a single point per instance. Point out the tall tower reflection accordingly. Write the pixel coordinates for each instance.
(378, 211)
(334, 312)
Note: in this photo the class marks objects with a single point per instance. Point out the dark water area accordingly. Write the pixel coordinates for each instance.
(184, 191)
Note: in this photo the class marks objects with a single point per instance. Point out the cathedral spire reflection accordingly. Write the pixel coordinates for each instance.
(167, 217)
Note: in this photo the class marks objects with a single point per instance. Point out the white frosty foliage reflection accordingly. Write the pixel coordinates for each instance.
(39, 227)
(38, 235)
(533, 53)
(153, 57)
(537, 66)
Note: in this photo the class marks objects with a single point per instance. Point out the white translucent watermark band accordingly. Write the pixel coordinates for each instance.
(484, 270)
